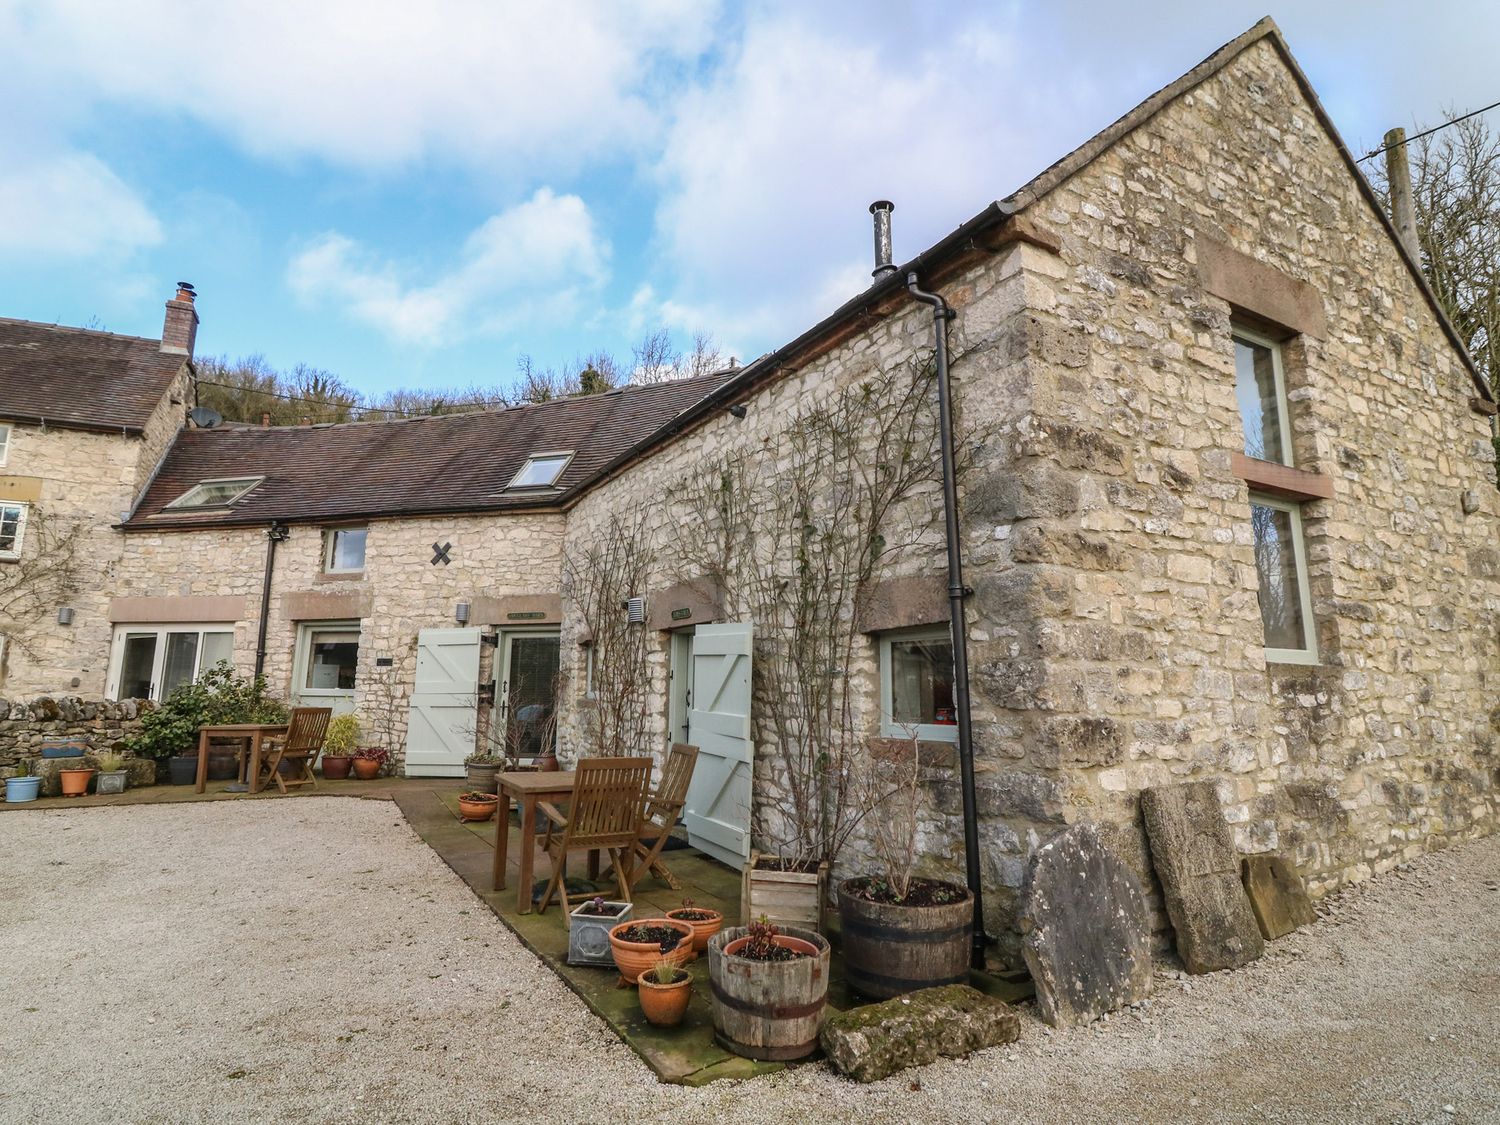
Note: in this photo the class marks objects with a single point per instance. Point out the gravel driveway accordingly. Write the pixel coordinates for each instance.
(310, 960)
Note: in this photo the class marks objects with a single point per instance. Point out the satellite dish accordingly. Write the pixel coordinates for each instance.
(205, 417)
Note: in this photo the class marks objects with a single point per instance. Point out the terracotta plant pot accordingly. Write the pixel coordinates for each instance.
(665, 1004)
(702, 931)
(633, 958)
(476, 810)
(75, 783)
(546, 763)
(366, 769)
(336, 766)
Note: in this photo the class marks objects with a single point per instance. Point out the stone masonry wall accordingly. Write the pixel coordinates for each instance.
(102, 725)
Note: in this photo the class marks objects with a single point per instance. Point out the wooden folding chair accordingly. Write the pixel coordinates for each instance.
(300, 745)
(604, 814)
(663, 807)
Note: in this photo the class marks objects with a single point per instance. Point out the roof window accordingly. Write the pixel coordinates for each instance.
(215, 493)
(541, 470)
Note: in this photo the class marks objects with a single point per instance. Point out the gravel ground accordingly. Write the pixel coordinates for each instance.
(313, 961)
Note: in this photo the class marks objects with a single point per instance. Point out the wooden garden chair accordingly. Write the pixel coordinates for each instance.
(300, 746)
(604, 814)
(663, 807)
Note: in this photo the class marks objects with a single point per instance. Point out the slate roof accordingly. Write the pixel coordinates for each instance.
(80, 379)
(444, 464)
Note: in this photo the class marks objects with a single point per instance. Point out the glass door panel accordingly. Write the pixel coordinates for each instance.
(216, 648)
(528, 691)
(137, 665)
(181, 662)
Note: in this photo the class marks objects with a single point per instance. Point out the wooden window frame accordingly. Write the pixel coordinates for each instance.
(1238, 332)
(1308, 654)
(889, 727)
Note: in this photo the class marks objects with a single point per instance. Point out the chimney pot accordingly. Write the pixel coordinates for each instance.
(265, 418)
(180, 329)
(882, 209)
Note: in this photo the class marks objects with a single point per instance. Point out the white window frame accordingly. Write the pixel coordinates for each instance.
(1278, 372)
(5, 432)
(330, 535)
(567, 459)
(159, 661)
(1308, 654)
(889, 727)
(185, 501)
(21, 520)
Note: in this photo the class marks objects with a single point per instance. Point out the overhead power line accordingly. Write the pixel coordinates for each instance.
(1427, 132)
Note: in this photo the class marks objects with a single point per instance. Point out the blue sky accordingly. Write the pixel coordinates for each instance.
(417, 194)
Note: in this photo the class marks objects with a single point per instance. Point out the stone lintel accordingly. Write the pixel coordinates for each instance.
(325, 605)
(175, 610)
(21, 490)
(516, 610)
(903, 603)
(1259, 289)
(1281, 480)
(698, 601)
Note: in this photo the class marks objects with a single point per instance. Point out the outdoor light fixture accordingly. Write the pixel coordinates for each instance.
(461, 613)
(65, 615)
(738, 410)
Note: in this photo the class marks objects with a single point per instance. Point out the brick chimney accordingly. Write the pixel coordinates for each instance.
(181, 326)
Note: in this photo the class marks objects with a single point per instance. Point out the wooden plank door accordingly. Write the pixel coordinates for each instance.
(444, 710)
(717, 814)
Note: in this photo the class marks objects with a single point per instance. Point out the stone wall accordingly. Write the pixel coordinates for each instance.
(101, 724)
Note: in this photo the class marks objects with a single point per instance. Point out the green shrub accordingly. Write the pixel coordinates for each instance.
(218, 696)
(343, 735)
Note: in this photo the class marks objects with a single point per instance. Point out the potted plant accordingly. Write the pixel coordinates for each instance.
(665, 990)
(339, 742)
(112, 773)
(900, 932)
(477, 807)
(24, 786)
(787, 891)
(75, 780)
(368, 761)
(588, 931)
(483, 769)
(639, 945)
(769, 989)
(705, 922)
(216, 697)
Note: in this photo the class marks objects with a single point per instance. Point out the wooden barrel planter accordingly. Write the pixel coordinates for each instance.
(890, 949)
(768, 1009)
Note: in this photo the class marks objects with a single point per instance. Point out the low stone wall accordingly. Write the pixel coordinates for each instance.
(101, 724)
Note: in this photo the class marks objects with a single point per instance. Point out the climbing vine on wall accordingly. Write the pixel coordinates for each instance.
(44, 578)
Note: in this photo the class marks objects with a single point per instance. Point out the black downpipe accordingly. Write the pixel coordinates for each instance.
(957, 591)
(276, 533)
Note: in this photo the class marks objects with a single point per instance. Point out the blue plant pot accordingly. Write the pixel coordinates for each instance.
(21, 789)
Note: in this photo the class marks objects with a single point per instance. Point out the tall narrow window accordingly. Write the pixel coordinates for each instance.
(4, 442)
(1260, 388)
(1281, 564)
(12, 528)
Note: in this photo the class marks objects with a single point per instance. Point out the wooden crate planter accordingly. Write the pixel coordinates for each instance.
(787, 898)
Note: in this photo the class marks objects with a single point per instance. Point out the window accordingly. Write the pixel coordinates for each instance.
(1260, 387)
(916, 685)
(4, 442)
(331, 656)
(215, 493)
(541, 470)
(344, 552)
(12, 529)
(151, 661)
(1281, 562)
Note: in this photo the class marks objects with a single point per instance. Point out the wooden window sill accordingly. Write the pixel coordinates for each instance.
(1281, 480)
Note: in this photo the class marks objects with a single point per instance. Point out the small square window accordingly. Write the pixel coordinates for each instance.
(1281, 564)
(1260, 388)
(215, 493)
(12, 529)
(345, 550)
(916, 685)
(4, 442)
(541, 470)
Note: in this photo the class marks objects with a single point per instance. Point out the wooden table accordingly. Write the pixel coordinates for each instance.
(252, 733)
(526, 789)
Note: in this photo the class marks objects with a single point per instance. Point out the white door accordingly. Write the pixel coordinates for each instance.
(444, 703)
(717, 815)
(326, 665)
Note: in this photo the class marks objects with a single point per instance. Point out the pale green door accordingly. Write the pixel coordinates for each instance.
(717, 814)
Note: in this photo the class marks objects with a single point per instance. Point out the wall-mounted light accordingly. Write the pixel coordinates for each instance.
(738, 410)
(461, 613)
(65, 615)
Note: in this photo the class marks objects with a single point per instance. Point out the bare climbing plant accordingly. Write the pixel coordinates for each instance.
(32, 588)
(598, 580)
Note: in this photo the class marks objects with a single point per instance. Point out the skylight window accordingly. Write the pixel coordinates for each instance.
(541, 470)
(215, 493)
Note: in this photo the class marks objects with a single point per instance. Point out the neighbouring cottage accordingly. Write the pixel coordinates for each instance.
(1229, 513)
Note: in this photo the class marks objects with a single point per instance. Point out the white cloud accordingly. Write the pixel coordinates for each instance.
(373, 83)
(531, 263)
(70, 206)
